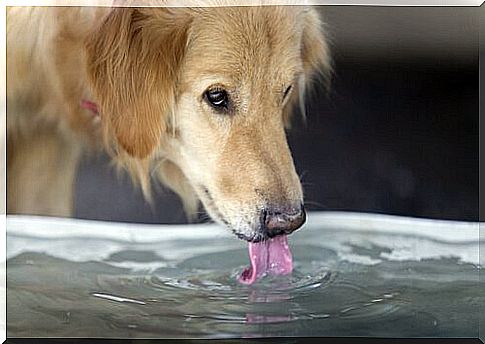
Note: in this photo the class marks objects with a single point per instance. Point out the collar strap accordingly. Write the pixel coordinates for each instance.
(91, 106)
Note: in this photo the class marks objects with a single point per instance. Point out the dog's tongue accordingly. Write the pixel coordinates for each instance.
(272, 256)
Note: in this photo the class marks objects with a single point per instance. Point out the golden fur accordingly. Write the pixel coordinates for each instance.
(147, 69)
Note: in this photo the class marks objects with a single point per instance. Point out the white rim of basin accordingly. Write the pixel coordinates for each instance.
(57, 227)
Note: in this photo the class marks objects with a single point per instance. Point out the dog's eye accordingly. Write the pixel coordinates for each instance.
(217, 98)
(288, 89)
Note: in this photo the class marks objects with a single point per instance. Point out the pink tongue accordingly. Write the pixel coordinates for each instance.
(272, 256)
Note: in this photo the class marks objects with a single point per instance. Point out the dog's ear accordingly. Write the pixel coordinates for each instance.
(133, 60)
(314, 47)
(316, 61)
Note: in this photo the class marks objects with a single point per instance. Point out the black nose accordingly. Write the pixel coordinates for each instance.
(282, 220)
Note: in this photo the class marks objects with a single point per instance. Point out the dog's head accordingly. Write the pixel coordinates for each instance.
(210, 91)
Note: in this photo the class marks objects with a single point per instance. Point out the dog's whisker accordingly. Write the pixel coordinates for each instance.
(307, 184)
(317, 204)
(302, 175)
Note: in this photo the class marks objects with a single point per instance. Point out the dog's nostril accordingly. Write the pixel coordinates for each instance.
(282, 220)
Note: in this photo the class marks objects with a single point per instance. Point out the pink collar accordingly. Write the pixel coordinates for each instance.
(89, 105)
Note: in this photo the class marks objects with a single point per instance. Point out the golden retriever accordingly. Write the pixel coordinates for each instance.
(200, 97)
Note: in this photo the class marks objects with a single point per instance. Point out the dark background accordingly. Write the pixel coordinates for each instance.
(396, 134)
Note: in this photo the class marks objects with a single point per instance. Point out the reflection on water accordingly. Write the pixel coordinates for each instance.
(343, 284)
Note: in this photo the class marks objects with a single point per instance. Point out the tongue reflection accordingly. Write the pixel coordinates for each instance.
(272, 256)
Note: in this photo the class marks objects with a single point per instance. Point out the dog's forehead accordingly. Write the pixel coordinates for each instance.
(242, 39)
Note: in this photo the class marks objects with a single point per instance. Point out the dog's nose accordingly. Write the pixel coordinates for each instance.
(282, 220)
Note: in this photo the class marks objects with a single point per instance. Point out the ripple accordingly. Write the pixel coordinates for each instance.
(117, 298)
(201, 297)
(376, 308)
(224, 285)
(315, 291)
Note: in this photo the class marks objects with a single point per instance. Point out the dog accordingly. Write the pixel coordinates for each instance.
(198, 97)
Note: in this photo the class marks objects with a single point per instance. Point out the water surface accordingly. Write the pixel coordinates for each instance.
(354, 275)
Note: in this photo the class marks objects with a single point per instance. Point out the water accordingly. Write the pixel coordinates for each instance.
(354, 275)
